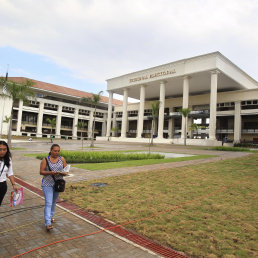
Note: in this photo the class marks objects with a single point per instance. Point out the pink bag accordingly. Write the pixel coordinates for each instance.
(16, 197)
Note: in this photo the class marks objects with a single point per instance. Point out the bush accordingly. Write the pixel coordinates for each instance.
(103, 156)
(246, 145)
(225, 148)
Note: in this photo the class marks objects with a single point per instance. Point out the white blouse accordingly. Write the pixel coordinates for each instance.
(8, 171)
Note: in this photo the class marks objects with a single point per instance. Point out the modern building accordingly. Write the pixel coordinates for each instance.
(223, 100)
(53, 101)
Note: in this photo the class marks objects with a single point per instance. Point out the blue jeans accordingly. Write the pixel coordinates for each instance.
(50, 203)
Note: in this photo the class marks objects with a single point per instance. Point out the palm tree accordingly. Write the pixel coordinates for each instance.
(52, 123)
(81, 125)
(93, 101)
(115, 130)
(18, 91)
(155, 112)
(196, 127)
(185, 112)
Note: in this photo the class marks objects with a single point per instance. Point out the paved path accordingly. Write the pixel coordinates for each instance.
(22, 239)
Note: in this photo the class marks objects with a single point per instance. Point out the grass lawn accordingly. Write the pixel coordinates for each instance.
(134, 163)
(205, 210)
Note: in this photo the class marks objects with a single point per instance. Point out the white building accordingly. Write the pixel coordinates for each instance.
(53, 101)
(222, 97)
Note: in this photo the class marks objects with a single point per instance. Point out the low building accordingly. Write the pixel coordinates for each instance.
(53, 101)
(223, 100)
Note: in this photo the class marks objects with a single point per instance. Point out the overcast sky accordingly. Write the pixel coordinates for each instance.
(81, 43)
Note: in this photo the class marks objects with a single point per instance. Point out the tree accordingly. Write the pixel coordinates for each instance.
(93, 101)
(185, 112)
(155, 112)
(196, 127)
(115, 130)
(81, 125)
(17, 91)
(52, 123)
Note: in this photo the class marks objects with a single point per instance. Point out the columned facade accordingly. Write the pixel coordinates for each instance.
(213, 104)
(222, 98)
(141, 112)
(237, 122)
(185, 105)
(109, 113)
(162, 93)
(125, 115)
(31, 119)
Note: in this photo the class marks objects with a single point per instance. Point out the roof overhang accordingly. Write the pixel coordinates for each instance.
(197, 68)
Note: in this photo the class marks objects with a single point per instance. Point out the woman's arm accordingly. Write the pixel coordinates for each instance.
(64, 162)
(43, 166)
(15, 187)
(11, 176)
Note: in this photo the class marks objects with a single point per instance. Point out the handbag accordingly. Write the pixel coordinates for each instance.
(59, 185)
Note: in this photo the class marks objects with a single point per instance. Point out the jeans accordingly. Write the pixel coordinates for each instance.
(50, 203)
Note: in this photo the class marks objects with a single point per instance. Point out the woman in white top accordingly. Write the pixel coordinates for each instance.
(6, 169)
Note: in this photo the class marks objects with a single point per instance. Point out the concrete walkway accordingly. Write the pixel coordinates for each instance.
(18, 240)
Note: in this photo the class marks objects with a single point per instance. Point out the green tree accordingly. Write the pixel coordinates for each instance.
(93, 101)
(196, 127)
(52, 123)
(155, 113)
(115, 130)
(185, 112)
(17, 91)
(81, 125)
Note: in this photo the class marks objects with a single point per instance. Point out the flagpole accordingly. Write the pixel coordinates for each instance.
(4, 92)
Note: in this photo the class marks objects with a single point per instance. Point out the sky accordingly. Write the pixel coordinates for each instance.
(81, 43)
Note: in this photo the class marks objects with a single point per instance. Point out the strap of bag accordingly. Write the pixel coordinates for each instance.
(49, 168)
(2, 169)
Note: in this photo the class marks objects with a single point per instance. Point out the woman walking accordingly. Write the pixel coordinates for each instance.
(51, 167)
(6, 169)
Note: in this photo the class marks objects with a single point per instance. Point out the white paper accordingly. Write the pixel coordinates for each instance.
(66, 169)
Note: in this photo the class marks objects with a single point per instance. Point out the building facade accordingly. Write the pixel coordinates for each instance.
(53, 101)
(223, 100)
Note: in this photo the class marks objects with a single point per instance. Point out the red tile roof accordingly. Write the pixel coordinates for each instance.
(63, 90)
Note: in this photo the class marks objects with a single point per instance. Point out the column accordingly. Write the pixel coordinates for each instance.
(213, 105)
(185, 105)
(75, 122)
(161, 109)
(40, 119)
(141, 112)
(19, 120)
(110, 100)
(58, 121)
(124, 117)
(237, 122)
(171, 123)
(104, 126)
(114, 134)
(90, 124)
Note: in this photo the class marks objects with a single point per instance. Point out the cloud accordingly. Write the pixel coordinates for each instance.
(100, 39)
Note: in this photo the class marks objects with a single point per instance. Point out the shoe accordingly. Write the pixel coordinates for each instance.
(49, 227)
(53, 220)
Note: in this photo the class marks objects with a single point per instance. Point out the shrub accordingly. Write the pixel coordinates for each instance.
(103, 156)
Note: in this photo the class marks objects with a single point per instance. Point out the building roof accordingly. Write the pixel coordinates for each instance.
(62, 90)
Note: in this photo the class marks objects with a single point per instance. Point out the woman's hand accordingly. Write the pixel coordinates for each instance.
(15, 188)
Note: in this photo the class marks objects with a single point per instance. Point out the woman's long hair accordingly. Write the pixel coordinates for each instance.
(8, 154)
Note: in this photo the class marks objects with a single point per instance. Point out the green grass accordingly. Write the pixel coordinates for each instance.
(205, 210)
(102, 156)
(225, 148)
(13, 148)
(134, 163)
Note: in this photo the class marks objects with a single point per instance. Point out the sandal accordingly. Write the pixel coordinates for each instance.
(53, 220)
(49, 227)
